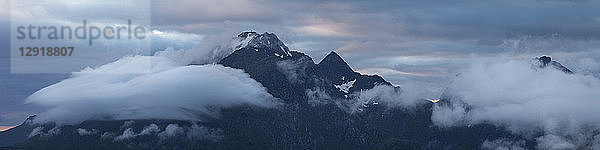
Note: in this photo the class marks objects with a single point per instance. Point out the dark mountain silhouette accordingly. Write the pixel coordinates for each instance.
(334, 66)
(335, 69)
(298, 124)
(17, 134)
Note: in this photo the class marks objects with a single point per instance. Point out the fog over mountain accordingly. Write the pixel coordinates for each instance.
(552, 105)
(253, 87)
(170, 89)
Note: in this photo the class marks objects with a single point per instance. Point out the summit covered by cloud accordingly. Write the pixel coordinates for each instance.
(554, 106)
(170, 89)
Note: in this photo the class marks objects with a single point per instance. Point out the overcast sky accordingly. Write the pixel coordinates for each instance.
(403, 41)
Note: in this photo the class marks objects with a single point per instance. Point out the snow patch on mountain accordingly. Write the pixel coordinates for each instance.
(345, 87)
(243, 39)
(265, 41)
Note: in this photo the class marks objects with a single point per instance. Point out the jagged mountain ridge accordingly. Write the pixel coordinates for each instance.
(262, 58)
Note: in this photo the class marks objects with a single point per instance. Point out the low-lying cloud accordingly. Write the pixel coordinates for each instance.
(194, 132)
(562, 107)
(503, 144)
(170, 89)
(129, 133)
(406, 97)
(293, 69)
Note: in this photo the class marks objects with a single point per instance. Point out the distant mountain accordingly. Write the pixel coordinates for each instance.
(545, 61)
(317, 114)
(17, 134)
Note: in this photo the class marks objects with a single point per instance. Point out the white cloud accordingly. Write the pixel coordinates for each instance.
(107, 135)
(150, 129)
(196, 133)
(36, 131)
(85, 132)
(169, 90)
(317, 96)
(292, 69)
(171, 130)
(390, 72)
(503, 144)
(514, 94)
(449, 116)
(406, 97)
(40, 131)
(127, 134)
(54, 131)
(553, 142)
(192, 133)
(126, 124)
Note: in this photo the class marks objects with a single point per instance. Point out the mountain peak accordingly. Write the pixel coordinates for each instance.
(333, 61)
(265, 42)
(247, 34)
(544, 61)
(332, 54)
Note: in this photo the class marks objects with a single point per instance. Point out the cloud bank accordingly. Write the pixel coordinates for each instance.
(193, 132)
(171, 89)
(562, 107)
